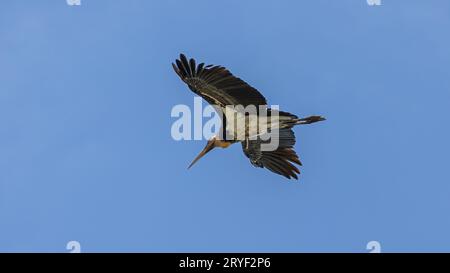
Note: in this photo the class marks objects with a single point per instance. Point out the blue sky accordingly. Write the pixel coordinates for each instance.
(86, 152)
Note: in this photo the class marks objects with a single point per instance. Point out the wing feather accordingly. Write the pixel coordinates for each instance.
(281, 160)
(216, 84)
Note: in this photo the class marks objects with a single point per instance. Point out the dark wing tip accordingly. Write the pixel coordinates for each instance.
(176, 69)
(282, 161)
(187, 67)
(192, 65)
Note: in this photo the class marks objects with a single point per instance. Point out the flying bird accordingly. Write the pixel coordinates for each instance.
(220, 88)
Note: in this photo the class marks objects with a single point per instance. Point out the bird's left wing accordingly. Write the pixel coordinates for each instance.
(281, 160)
(216, 84)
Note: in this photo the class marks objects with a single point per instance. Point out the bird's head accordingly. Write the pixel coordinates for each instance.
(212, 143)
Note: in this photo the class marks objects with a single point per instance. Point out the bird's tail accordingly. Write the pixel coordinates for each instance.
(290, 120)
(309, 120)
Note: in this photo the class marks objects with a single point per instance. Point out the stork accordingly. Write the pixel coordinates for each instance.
(220, 88)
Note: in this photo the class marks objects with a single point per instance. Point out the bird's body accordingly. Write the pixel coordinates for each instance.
(246, 118)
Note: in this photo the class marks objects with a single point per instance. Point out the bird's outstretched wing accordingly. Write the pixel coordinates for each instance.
(281, 160)
(216, 84)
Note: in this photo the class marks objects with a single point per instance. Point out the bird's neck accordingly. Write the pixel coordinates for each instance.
(222, 143)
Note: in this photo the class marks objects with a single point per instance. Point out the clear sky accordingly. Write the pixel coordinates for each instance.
(86, 152)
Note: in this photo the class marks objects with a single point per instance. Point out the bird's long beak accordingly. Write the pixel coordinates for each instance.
(209, 146)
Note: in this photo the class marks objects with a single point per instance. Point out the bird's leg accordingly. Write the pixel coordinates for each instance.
(246, 143)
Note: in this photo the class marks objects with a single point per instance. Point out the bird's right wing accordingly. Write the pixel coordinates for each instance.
(281, 160)
(216, 84)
